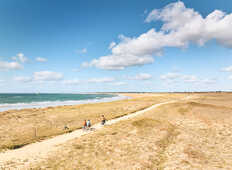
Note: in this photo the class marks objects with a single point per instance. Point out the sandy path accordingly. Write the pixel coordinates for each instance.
(35, 152)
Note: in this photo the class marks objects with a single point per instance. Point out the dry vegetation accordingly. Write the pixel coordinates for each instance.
(21, 127)
(194, 134)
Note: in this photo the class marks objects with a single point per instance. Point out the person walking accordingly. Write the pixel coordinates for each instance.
(88, 124)
(103, 120)
(85, 124)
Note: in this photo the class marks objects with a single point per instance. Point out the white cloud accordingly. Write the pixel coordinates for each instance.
(209, 81)
(170, 76)
(4, 65)
(187, 25)
(227, 69)
(119, 83)
(85, 64)
(179, 77)
(181, 26)
(189, 78)
(71, 82)
(47, 76)
(119, 62)
(20, 57)
(23, 79)
(112, 44)
(176, 77)
(101, 80)
(142, 76)
(40, 59)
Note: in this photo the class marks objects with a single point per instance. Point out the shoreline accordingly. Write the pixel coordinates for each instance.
(46, 104)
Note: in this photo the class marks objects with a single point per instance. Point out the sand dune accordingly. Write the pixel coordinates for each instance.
(39, 151)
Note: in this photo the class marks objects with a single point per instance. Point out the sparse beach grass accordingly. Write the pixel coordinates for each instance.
(183, 135)
(21, 127)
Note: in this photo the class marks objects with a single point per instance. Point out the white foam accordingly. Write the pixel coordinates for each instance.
(18, 106)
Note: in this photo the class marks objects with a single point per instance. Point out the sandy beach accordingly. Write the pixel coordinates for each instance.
(21, 127)
(150, 131)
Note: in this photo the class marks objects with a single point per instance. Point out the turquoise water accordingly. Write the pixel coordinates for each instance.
(29, 98)
(20, 101)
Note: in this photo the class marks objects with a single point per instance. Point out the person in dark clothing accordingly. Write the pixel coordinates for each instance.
(88, 124)
(103, 120)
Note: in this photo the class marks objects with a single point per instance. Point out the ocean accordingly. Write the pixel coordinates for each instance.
(41, 100)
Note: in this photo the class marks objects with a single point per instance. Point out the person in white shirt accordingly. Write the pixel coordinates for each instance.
(88, 124)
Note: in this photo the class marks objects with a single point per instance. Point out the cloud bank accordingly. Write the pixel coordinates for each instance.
(47, 76)
(20, 57)
(177, 77)
(142, 76)
(5, 65)
(40, 59)
(181, 26)
(101, 80)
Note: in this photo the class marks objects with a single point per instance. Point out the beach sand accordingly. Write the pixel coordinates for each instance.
(193, 131)
(21, 127)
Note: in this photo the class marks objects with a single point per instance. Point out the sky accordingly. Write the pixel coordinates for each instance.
(58, 46)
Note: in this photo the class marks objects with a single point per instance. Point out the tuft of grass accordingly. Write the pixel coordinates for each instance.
(78, 146)
(145, 122)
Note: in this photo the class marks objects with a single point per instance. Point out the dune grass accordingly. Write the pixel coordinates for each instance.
(181, 135)
(21, 127)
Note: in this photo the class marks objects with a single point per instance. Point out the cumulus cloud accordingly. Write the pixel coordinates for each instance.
(189, 78)
(47, 76)
(181, 26)
(23, 79)
(85, 64)
(101, 80)
(170, 76)
(119, 62)
(112, 44)
(119, 83)
(20, 57)
(179, 77)
(142, 76)
(4, 65)
(227, 69)
(209, 81)
(71, 82)
(40, 59)
(187, 25)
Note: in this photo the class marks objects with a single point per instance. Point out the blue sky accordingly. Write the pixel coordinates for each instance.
(105, 45)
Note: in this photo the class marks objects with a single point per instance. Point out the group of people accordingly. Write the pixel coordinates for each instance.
(87, 124)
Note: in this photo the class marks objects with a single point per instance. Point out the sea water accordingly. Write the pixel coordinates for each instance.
(22, 101)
